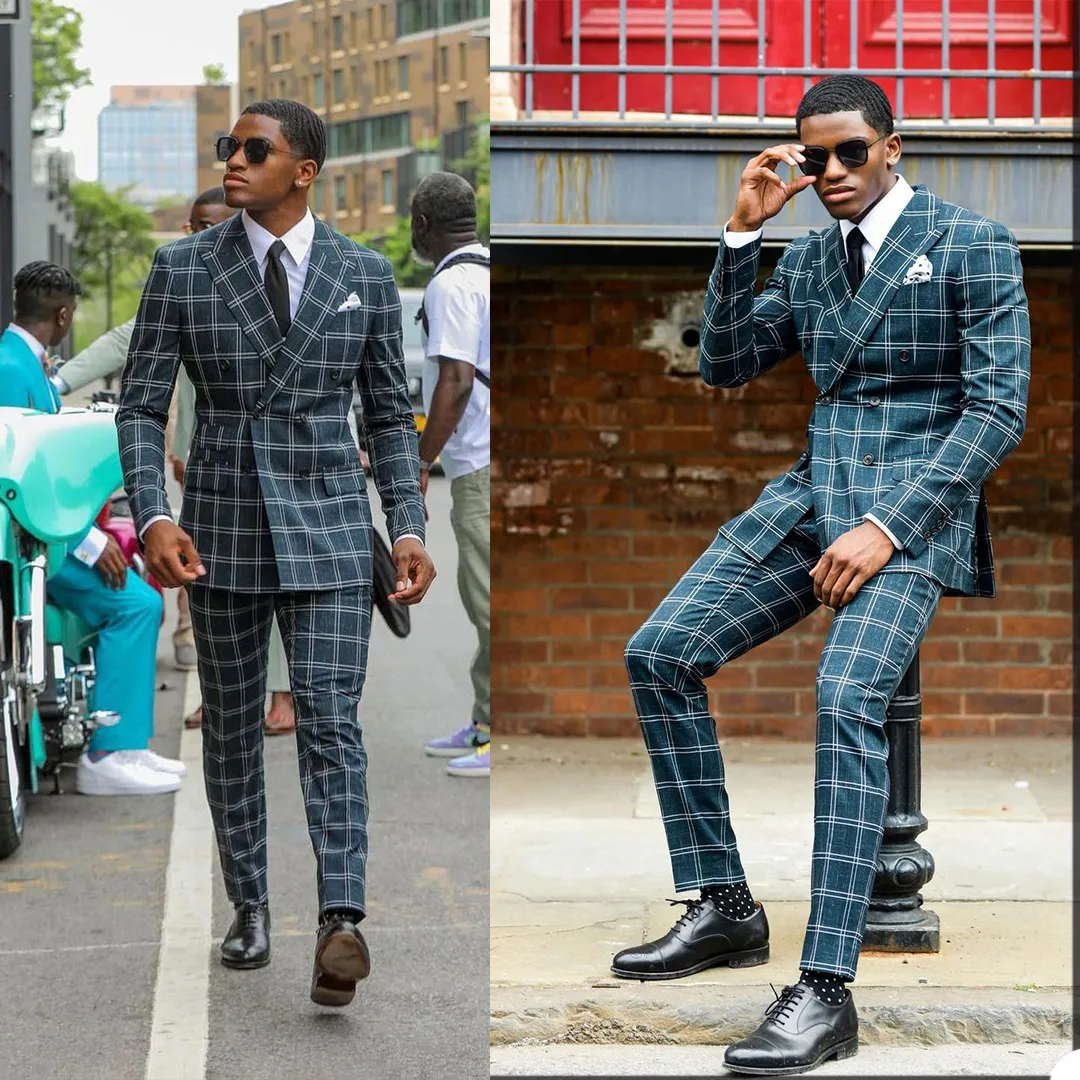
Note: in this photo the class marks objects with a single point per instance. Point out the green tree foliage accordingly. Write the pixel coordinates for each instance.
(111, 234)
(214, 74)
(56, 32)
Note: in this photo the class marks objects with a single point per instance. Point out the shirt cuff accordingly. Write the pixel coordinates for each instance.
(62, 387)
(90, 548)
(895, 543)
(735, 240)
(410, 536)
(156, 517)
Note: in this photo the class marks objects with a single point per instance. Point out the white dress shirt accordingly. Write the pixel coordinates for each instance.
(874, 228)
(91, 547)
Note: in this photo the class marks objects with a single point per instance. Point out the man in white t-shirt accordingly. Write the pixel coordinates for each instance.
(457, 400)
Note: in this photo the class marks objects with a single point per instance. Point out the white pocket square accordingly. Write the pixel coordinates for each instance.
(352, 302)
(919, 271)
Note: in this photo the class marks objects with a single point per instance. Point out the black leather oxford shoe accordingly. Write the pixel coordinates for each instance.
(798, 1034)
(341, 960)
(247, 944)
(704, 937)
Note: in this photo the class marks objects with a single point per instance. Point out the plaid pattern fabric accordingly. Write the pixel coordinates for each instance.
(724, 605)
(274, 497)
(325, 636)
(923, 387)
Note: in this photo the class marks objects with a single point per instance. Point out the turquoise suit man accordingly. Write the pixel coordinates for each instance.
(124, 610)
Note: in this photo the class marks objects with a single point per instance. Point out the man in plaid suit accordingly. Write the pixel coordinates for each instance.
(274, 317)
(911, 316)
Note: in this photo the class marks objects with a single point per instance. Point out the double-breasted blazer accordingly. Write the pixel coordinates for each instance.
(922, 383)
(275, 497)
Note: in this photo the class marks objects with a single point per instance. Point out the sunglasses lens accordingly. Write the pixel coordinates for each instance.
(256, 150)
(226, 147)
(816, 160)
(853, 154)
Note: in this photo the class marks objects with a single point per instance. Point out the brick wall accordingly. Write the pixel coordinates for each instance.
(614, 468)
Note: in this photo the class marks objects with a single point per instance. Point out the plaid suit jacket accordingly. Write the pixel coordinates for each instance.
(922, 387)
(274, 495)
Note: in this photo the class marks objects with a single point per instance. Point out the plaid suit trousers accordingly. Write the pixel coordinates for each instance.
(326, 640)
(723, 606)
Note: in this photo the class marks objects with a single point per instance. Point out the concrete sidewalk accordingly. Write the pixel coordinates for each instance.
(579, 870)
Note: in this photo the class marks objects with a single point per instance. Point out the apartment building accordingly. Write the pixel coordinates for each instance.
(400, 86)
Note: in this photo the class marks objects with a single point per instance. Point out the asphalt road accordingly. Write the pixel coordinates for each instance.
(82, 902)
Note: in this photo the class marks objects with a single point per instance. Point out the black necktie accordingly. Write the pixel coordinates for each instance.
(277, 287)
(854, 259)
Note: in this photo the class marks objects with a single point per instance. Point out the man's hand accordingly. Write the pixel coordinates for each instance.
(171, 555)
(762, 194)
(177, 468)
(848, 564)
(415, 571)
(112, 566)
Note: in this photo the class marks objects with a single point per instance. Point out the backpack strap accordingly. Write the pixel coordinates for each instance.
(466, 257)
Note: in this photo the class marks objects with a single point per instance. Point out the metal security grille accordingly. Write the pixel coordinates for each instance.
(1000, 24)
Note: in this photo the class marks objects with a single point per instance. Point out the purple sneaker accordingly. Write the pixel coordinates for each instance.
(461, 742)
(478, 764)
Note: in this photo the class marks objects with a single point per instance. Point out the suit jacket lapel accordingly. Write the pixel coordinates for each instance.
(235, 275)
(322, 294)
(911, 236)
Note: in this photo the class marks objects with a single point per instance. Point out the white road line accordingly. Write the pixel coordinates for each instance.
(179, 1033)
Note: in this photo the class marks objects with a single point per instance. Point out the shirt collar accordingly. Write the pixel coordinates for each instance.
(476, 248)
(35, 345)
(876, 225)
(298, 239)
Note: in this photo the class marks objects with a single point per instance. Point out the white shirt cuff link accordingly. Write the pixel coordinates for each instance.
(91, 547)
(895, 543)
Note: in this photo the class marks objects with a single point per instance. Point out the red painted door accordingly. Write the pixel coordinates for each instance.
(830, 37)
(923, 32)
(646, 27)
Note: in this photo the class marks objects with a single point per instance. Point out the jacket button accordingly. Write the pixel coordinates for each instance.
(904, 356)
(825, 399)
(875, 402)
(305, 473)
(258, 410)
(868, 459)
(335, 374)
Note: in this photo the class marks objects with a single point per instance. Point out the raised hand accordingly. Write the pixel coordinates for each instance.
(762, 193)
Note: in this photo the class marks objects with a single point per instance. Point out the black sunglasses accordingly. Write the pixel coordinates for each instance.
(256, 149)
(853, 153)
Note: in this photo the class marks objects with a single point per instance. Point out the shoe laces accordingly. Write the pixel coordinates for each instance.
(693, 910)
(249, 916)
(785, 1002)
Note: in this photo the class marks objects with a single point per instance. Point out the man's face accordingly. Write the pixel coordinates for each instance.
(205, 217)
(263, 186)
(848, 192)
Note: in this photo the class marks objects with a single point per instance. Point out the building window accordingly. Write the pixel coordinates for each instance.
(320, 100)
(341, 201)
(384, 23)
(403, 74)
(416, 16)
(444, 64)
(352, 29)
(317, 197)
(253, 55)
(371, 26)
(462, 114)
(370, 136)
(339, 86)
(275, 49)
(388, 187)
(463, 61)
(358, 190)
(305, 89)
(288, 45)
(339, 32)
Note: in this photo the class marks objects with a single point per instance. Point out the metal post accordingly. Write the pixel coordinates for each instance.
(896, 920)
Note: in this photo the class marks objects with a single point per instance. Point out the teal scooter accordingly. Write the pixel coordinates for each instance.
(56, 473)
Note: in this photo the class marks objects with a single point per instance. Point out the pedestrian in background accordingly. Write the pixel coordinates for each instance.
(455, 317)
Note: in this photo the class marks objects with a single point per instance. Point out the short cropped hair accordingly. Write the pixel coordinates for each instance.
(303, 129)
(41, 288)
(214, 196)
(848, 93)
(447, 201)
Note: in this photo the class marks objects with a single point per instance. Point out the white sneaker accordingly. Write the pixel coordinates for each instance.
(154, 761)
(111, 777)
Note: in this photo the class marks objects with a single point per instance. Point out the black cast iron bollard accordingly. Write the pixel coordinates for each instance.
(896, 920)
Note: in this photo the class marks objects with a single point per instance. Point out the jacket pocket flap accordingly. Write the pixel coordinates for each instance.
(342, 482)
(204, 480)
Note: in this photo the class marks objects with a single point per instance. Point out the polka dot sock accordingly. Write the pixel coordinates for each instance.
(828, 988)
(734, 901)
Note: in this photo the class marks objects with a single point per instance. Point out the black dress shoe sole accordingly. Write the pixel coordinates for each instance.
(838, 1052)
(339, 965)
(246, 965)
(749, 958)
